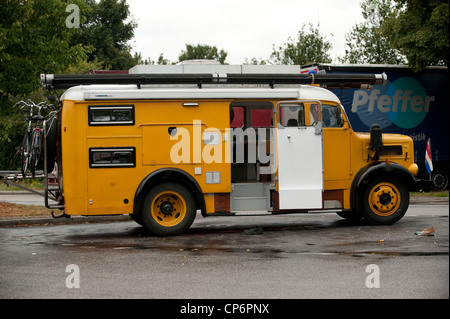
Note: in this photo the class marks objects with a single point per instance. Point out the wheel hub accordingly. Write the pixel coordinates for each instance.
(166, 208)
(384, 199)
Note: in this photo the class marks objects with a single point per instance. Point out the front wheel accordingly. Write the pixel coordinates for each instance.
(168, 209)
(384, 201)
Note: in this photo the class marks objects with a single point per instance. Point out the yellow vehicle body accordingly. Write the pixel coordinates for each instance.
(112, 190)
(160, 154)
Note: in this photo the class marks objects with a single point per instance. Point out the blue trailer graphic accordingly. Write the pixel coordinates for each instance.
(414, 104)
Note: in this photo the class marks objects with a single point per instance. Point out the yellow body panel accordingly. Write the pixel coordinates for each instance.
(111, 190)
(102, 191)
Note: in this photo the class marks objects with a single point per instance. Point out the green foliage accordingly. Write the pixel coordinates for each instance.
(106, 29)
(255, 61)
(161, 60)
(199, 51)
(309, 47)
(365, 42)
(420, 31)
(34, 39)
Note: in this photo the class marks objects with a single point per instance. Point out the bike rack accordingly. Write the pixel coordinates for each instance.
(10, 178)
(47, 190)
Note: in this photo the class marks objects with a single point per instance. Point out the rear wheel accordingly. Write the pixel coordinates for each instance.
(168, 209)
(26, 150)
(384, 201)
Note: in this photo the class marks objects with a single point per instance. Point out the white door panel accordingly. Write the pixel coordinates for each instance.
(300, 167)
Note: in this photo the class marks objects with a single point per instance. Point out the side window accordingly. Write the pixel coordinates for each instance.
(107, 157)
(292, 115)
(108, 115)
(237, 116)
(251, 114)
(314, 114)
(331, 116)
(261, 117)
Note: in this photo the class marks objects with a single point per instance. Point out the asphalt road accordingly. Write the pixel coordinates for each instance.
(269, 257)
(23, 198)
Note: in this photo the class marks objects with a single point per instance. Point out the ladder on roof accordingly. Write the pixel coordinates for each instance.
(65, 81)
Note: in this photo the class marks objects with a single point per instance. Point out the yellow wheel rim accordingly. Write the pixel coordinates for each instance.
(168, 208)
(384, 199)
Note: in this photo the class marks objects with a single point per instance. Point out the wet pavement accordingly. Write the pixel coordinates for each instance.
(285, 256)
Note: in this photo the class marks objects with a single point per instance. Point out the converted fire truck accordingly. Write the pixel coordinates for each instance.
(163, 143)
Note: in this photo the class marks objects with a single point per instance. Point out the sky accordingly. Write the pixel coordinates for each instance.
(243, 28)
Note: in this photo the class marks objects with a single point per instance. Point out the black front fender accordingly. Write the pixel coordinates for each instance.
(380, 170)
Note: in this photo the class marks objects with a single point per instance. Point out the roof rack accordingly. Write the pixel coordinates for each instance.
(65, 81)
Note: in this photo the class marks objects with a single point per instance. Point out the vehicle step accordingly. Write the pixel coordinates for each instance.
(251, 213)
(249, 203)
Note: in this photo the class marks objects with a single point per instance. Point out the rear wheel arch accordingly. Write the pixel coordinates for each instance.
(169, 175)
(168, 209)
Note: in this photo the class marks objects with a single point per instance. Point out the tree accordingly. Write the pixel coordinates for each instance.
(365, 42)
(34, 39)
(420, 31)
(254, 61)
(199, 51)
(106, 29)
(309, 47)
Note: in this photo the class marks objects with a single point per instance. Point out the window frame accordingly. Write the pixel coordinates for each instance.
(111, 108)
(112, 150)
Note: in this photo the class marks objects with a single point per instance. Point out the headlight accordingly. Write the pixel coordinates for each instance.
(413, 169)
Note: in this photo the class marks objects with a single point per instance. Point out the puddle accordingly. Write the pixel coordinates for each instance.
(390, 253)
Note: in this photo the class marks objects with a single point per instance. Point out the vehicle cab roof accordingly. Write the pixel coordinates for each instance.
(133, 92)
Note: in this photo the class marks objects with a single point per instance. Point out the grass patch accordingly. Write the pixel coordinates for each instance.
(35, 184)
(431, 194)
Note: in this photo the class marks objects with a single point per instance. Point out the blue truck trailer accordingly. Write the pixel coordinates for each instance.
(411, 103)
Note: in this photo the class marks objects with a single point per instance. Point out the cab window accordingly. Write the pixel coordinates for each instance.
(292, 115)
(331, 116)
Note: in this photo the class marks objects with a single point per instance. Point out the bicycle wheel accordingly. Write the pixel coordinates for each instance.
(33, 162)
(35, 151)
(26, 150)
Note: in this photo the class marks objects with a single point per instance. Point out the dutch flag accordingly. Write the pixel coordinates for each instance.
(428, 161)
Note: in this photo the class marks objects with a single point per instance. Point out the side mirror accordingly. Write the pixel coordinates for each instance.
(376, 138)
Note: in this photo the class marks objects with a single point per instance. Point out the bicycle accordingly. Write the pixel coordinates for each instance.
(32, 141)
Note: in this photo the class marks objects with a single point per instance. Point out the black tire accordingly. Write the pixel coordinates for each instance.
(33, 162)
(26, 149)
(137, 218)
(35, 152)
(168, 209)
(51, 137)
(440, 180)
(384, 201)
(353, 216)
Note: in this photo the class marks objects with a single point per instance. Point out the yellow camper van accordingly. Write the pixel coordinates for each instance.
(167, 143)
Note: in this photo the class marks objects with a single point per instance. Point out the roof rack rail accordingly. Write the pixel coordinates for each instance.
(65, 81)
